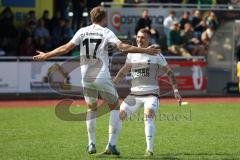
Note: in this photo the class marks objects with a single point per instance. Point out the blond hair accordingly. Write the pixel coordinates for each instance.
(97, 14)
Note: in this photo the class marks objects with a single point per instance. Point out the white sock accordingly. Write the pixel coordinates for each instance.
(91, 124)
(149, 133)
(115, 125)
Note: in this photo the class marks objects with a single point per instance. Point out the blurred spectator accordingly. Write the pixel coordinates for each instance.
(31, 17)
(212, 20)
(168, 21)
(54, 21)
(69, 32)
(46, 19)
(78, 7)
(41, 31)
(60, 33)
(6, 16)
(43, 45)
(27, 48)
(196, 19)
(28, 31)
(62, 6)
(174, 41)
(207, 35)
(42, 36)
(198, 24)
(154, 36)
(7, 28)
(191, 43)
(185, 19)
(8, 32)
(144, 21)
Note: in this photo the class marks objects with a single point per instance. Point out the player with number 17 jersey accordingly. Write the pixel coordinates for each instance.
(93, 41)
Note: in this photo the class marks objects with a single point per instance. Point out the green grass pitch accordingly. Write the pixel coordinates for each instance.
(196, 131)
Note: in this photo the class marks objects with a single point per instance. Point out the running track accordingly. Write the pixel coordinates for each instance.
(52, 103)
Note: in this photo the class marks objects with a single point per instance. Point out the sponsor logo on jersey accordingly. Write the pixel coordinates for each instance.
(143, 72)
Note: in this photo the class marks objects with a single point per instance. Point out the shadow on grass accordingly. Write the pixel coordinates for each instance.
(170, 156)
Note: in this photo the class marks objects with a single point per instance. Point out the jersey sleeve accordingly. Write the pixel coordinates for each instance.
(161, 60)
(76, 38)
(112, 38)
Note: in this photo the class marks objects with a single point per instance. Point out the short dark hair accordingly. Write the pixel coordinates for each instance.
(146, 31)
(97, 14)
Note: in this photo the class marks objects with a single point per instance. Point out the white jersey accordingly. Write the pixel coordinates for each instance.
(145, 72)
(93, 41)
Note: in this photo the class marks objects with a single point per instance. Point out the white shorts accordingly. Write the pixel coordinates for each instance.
(132, 103)
(102, 87)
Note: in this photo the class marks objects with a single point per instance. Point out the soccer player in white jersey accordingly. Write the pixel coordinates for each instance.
(145, 89)
(93, 41)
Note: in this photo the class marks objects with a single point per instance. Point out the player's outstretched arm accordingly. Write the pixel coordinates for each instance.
(122, 73)
(172, 79)
(126, 48)
(64, 49)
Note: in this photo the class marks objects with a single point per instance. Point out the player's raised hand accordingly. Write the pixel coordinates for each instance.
(178, 97)
(152, 50)
(40, 57)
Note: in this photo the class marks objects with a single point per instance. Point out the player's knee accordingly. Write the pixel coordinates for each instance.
(92, 107)
(122, 114)
(149, 113)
